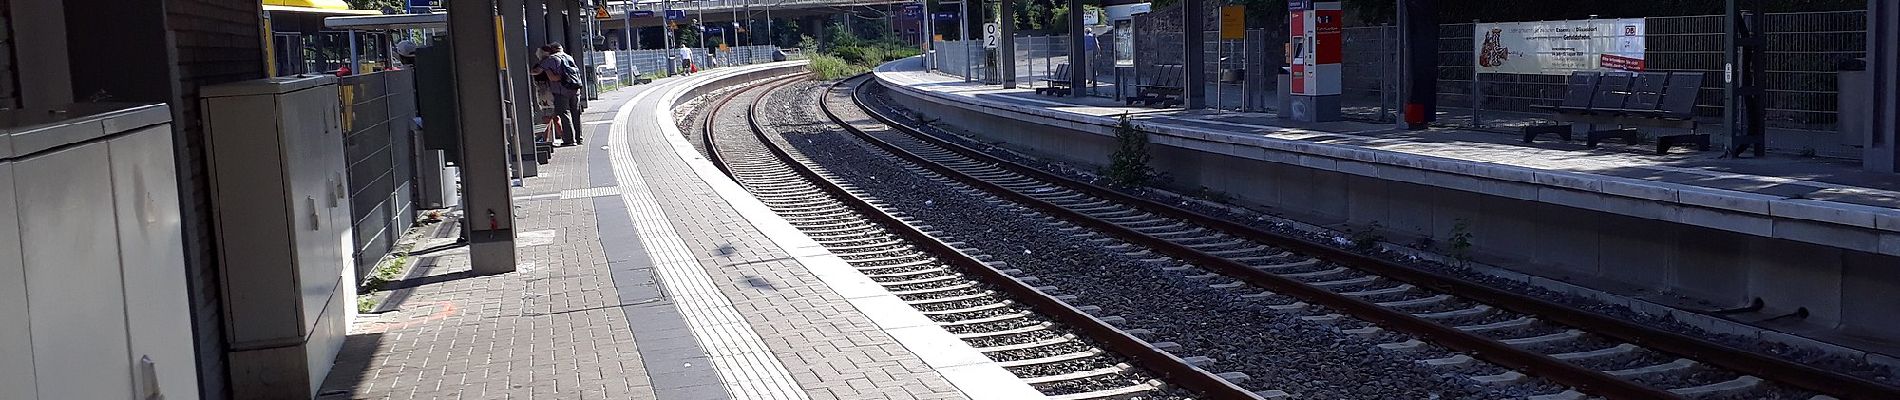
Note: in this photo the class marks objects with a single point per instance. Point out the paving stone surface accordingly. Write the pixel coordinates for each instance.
(589, 314)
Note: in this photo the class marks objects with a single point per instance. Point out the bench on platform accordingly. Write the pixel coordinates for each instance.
(1057, 83)
(1162, 87)
(1646, 100)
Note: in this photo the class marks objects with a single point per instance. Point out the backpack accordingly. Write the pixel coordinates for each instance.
(570, 75)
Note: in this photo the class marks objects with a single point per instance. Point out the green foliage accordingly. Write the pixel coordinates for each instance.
(1128, 167)
(378, 5)
(829, 67)
(808, 43)
(1059, 18)
(1460, 242)
(1368, 238)
(386, 272)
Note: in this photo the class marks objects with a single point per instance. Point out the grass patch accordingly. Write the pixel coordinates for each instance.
(829, 67)
(387, 271)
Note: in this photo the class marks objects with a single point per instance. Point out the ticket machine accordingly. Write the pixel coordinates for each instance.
(1314, 52)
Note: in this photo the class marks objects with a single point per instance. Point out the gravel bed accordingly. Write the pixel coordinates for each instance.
(1811, 357)
(932, 274)
(1279, 351)
(984, 313)
(1530, 330)
(938, 295)
(1635, 359)
(1695, 376)
(956, 305)
(1454, 304)
(1040, 351)
(1061, 367)
(995, 326)
(1020, 338)
(1103, 382)
(1481, 319)
(893, 270)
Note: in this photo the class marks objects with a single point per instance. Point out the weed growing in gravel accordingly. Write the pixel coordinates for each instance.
(1128, 167)
(1460, 242)
(1368, 238)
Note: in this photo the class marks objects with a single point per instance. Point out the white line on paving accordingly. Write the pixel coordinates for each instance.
(744, 363)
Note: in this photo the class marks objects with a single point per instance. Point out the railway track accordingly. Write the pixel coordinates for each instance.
(1594, 354)
(1060, 350)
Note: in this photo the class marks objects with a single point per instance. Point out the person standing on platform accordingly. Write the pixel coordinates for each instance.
(564, 82)
(686, 60)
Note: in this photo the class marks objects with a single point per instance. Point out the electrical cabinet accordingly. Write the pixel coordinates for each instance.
(92, 269)
(279, 178)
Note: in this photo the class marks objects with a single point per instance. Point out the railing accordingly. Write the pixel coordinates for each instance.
(629, 65)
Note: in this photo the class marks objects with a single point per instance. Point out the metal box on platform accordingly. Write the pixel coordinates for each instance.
(93, 301)
(275, 147)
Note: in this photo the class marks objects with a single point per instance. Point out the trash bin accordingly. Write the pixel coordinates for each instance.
(1286, 92)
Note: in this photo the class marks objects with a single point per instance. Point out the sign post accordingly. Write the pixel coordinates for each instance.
(1315, 50)
(990, 31)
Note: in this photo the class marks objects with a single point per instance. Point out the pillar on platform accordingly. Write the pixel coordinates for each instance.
(1078, 51)
(488, 209)
(1882, 150)
(1006, 44)
(1194, 57)
(520, 56)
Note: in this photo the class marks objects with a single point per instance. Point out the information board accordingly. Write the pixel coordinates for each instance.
(1560, 47)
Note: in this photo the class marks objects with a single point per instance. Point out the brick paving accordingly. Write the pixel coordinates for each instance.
(559, 326)
(550, 330)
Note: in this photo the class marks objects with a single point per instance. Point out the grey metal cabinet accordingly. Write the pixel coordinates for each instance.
(278, 173)
(145, 204)
(92, 270)
(17, 379)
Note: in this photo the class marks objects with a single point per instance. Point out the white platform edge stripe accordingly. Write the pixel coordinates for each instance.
(716, 325)
(966, 368)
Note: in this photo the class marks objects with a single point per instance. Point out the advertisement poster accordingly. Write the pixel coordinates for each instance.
(1560, 47)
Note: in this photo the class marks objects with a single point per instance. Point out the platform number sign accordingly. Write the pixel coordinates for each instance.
(990, 32)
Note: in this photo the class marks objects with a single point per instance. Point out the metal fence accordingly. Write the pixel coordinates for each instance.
(1803, 52)
(1235, 80)
(628, 65)
(379, 149)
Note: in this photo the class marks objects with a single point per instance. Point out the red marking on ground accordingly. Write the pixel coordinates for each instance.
(444, 309)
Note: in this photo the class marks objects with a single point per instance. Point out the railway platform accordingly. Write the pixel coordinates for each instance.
(1784, 248)
(646, 274)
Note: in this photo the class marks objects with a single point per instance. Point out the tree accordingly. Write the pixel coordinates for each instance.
(378, 5)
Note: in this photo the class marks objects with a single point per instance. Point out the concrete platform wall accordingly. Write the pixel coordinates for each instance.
(1660, 249)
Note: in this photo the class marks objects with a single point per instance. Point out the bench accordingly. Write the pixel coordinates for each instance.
(1163, 86)
(1645, 100)
(1057, 82)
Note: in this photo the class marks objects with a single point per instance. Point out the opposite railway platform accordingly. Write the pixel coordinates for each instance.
(646, 274)
(1784, 248)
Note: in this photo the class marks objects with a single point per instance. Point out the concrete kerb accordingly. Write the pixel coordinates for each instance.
(1884, 221)
(969, 370)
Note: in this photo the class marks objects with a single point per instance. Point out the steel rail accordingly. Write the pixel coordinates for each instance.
(1702, 350)
(1537, 364)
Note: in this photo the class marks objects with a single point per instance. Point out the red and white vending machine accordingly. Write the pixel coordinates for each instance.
(1314, 52)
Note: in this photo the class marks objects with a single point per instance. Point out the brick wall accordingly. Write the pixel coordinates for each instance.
(216, 41)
